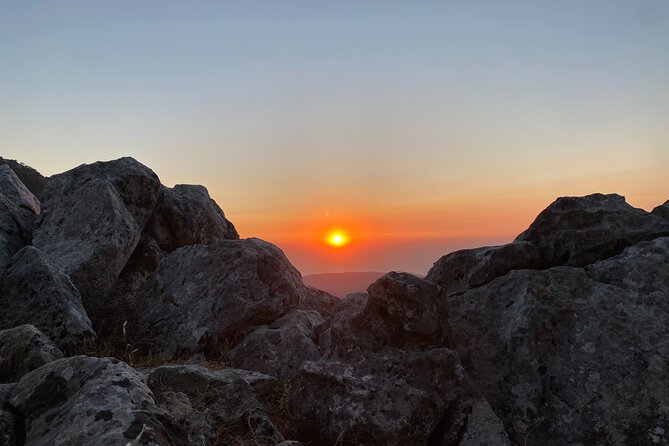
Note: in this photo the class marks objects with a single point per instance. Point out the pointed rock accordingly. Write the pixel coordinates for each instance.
(18, 208)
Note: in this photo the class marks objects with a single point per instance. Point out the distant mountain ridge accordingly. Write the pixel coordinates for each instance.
(341, 284)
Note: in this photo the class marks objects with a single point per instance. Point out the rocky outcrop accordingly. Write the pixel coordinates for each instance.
(280, 348)
(204, 297)
(571, 355)
(320, 301)
(22, 349)
(32, 179)
(470, 268)
(577, 231)
(92, 218)
(186, 215)
(18, 208)
(80, 401)
(384, 379)
(221, 407)
(662, 210)
(33, 291)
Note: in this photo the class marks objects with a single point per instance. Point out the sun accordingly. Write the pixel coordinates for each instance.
(337, 238)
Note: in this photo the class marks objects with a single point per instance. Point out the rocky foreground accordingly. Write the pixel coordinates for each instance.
(132, 314)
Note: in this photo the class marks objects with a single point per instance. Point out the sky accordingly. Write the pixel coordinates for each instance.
(417, 127)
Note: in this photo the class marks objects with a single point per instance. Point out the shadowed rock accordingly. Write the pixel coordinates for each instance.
(11, 426)
(33, 180)
(81, 401)
(92, 217)
(220, 407)
(562, 353)
(577, 231)
(18, 208)
(204, 297)
(33, 291)
(22, 349)
(280, 348)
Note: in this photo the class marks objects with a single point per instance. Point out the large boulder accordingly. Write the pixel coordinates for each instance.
(23, 349)
(33, 291)
(319, 300)
(205, 297)
(186, 215)
(662, 210)
(33, 180)
(389, 397)
(571, 355)
(11, 429)
(216, 407)
(279, 349)
(91, 221)
(577, 231)
(81, 401)
(470, 268)
(18, 208)
(340, 318)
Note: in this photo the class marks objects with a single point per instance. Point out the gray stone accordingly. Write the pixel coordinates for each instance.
(204, 297)
(186, 215)
(320, 301)
(33, 291)
(91, 221)
(11, 429)
(577, 231)
(470, 268)
(662, 210)
(225, 404)
(22, 349)
(280, 348)
(571, 355)
(340, 318)
(80, 401)
(484, 428)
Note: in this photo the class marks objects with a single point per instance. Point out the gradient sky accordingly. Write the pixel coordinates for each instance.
(420, 127)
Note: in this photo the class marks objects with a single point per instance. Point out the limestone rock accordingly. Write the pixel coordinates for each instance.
(80, 401)
(320, 301)
(577, 231)
(11, 432)
(92, 217)
(34, 292)
(224, 404)
(484, 428)
(470, 268)
(22, 349)
(571, 355)
(32, 179)
(18, 208)
(186, 215)
(203, 297)
(340, 318)
(280, 348)
(390, 397)
(662, 210)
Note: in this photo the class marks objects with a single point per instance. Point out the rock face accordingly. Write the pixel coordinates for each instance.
(470, 268)
(11, 430)
(562, 353)
(216, 407)
(186, 215)
(33, 180)
(80, 401)
(22, 349)
(280, 348)
(92, 218)
(33, 291)
(18, 208)
(384, 380)
(202, 297)
(577, 231)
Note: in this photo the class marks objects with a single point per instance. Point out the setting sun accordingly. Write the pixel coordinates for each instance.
(337, 238)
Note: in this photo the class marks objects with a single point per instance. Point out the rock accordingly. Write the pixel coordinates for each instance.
(32, 179)
(33, 291)
(203, 297)
(662, 210)
(484, 428)
(470, 268)
(340, 318)
(186, 215)
(22, 349)
(11, 429)
(91, 221)
(571, 355)
(177, 404)
(224, 404)
(390, 397)
(280, 348)
(402, 311)
(577, 231)
(320, 301)
(18, 208)
(81, 401)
